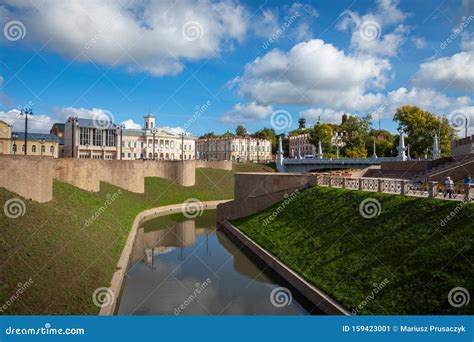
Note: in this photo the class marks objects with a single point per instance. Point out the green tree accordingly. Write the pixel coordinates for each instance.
(420, 126)
(241, 130)
(268, 133)
(356, 136)
(324, 133)
(384, 143)
(208, 135)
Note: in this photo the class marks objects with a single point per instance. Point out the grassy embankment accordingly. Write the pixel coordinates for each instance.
(68, 258)
(321, 235)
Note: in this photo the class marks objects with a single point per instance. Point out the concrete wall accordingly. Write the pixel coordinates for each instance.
(253, 184)
(255, 192)
(214, 164)
(30, 177)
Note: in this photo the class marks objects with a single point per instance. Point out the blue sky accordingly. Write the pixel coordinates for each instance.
(211, 65)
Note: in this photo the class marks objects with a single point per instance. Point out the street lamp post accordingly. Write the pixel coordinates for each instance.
(14, 138)
(73, 120)
(258, 150)
(182, 146)
(153, 131)
(103, 152)
(26, 112)
(121, 128)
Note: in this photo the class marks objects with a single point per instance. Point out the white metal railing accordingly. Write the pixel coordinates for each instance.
(398, 186)
(340, 160)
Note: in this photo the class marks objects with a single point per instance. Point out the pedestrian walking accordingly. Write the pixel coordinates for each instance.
(449, 187)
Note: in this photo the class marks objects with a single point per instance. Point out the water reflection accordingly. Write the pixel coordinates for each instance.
(185, 267)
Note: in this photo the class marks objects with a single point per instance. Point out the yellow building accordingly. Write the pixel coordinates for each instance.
(5, 138)
(39, 144)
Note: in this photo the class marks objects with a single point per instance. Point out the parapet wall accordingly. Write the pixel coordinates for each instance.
(32, 177)
(214, 164)
(255, 192)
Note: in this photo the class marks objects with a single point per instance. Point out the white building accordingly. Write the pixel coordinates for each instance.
(235, 148)
(105, 140)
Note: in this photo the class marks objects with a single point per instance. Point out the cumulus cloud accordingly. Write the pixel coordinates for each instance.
(314, 73)
(94, 113)
(243, 113)
(154, 36)
(368, 30)
(36, 123)
(428, 99)
(454, 72)
(130, 124)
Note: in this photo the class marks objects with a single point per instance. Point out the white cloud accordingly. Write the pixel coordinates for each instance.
(325, 115)
(454, 72)
(243, 113)
(428, 99)
(314, 73)
(94, 113)
(173, 130)
(36, 123)
(368, 30)
(150, 36)
(419, 42)
(130, 124)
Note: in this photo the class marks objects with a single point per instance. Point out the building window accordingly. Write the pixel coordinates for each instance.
(110, 139)
(43, 149)
(23, 148)
(97, 137)
(84, 136)
(51, 149)
(33, 148)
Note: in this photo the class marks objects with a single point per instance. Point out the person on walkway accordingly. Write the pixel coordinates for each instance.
(468, 180)
(449, 187)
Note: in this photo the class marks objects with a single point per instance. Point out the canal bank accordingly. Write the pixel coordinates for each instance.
(118, 278)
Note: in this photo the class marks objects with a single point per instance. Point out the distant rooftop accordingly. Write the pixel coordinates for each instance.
(37, 136)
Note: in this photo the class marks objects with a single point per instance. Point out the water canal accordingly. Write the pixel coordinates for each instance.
(184, 266)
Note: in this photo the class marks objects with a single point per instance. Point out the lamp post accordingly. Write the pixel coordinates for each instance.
(153, 131)
(258, 150)
(182, 146)
(73, 120)
(14, 138)
(26, 112)
(42, 141)
(121, 128)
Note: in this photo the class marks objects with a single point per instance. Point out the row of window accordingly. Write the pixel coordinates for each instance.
(135, 144)
(33, 148)
(235, 148)
(94, 156)
(97, 137)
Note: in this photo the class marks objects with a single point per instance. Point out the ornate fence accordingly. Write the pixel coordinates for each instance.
(398, 186)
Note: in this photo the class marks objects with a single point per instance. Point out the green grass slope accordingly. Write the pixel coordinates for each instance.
(406, 260)
(66, 254)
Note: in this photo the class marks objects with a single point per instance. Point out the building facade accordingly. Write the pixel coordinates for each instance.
(105, 140)
(235, 148)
